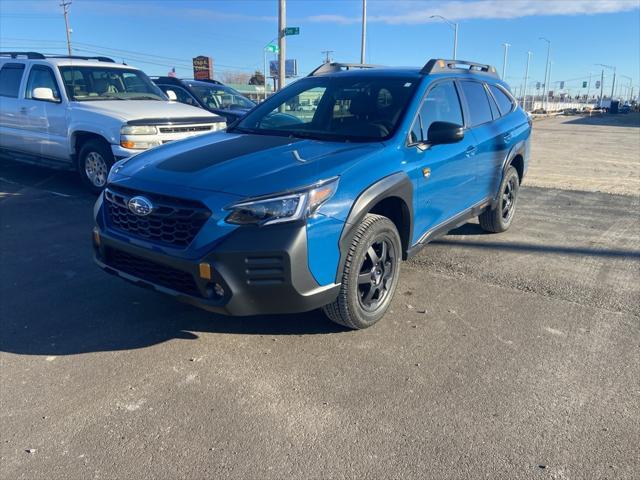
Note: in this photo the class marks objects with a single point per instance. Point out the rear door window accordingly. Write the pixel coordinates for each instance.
(10, 78)
(477, 103)
(505, 104)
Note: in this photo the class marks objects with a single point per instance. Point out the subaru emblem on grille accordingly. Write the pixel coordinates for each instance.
(140, 206)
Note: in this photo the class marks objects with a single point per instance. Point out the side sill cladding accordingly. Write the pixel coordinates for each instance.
(397, 185)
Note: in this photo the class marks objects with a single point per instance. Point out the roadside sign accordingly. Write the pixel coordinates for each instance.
(291, 31)
(597, 84)
(584, 84)
(537, 85)
(272, 47)
(203, 68)
(561, 85)
(290, 68)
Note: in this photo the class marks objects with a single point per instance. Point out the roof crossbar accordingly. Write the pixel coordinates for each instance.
(438, 65)
(338, 67)
(82, 57)
(29, 55)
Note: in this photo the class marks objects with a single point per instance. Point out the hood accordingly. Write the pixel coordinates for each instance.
(127, 110)
(243, 164)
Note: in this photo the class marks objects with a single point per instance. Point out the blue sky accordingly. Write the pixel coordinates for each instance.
(165, 33)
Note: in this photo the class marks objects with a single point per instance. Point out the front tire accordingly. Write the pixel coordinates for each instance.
(94, 161)
(498, 219)
(370, 274)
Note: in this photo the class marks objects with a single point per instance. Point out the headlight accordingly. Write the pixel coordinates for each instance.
(286, 207)
(138, 130)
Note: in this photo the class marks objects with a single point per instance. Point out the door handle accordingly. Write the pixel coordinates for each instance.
(470, 151)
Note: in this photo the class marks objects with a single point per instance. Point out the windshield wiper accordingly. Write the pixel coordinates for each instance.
(143, 97)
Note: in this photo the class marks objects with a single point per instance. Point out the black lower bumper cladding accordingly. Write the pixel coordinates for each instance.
(245, 280)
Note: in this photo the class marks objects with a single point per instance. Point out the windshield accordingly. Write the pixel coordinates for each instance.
(334, 108)
(218, 96)
(104, 83)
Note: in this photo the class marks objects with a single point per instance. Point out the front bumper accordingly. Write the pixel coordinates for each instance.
(260, 270)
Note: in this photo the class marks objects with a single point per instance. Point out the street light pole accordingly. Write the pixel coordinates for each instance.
(526, 78)
(613, 84)
(363, 40)
(630, 90)
(545, 86)
(602, 81)
(453, 25)
(282, 23)
(504, 60)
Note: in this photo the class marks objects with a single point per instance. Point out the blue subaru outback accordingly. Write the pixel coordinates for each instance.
(314, 198)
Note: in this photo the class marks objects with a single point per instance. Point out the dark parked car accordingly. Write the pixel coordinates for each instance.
(208, 94)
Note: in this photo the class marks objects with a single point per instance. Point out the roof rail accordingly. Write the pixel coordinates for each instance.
(338, 67)
(438, 65)
(29, 55)
(81, 57)
(167, 79)
(206, 80)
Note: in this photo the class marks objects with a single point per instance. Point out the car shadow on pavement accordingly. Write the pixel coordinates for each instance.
(136, 320)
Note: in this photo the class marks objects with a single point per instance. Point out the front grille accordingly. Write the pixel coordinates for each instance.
(187, 129)
(173, 222)
(153, 272)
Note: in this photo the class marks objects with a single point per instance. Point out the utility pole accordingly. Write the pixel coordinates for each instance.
(504, 60)
(363, 41)
(327, 55)
(526, 78)
(588, 87)
(601, 85)
(545, 86)
(65, 8)
(282, 21)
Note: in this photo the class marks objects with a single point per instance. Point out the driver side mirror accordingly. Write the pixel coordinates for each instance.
(172, 95)
(444, 132)
(43, 94)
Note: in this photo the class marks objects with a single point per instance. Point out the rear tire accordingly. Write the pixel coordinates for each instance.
(498, 219)
(94, 162)
(370, 274)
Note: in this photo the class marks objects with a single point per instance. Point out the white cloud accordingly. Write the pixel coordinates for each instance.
(417, 12)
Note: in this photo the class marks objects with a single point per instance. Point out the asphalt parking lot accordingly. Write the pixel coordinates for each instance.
(504, 356)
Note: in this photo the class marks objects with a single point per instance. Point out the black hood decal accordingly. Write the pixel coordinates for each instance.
(218, 152)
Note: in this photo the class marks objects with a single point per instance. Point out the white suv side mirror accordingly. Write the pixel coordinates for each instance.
(44, 94)
(172, 95)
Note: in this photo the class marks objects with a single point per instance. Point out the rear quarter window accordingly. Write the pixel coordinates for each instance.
(477, 102)
(10, 78)
(505, 104)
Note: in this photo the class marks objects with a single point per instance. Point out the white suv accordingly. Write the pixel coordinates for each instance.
(84, 113)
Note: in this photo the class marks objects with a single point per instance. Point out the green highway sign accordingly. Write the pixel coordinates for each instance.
(291, 31)
(584, 84)
(272, 47)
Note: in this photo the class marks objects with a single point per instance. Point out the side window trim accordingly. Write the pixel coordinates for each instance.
(15, 65)
(418, 117)
(493, 103)
(43, 67)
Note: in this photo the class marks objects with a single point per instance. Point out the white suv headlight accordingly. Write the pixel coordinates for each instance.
(286, 207)
(138, 130)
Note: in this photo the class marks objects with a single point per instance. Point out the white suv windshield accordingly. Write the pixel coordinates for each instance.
(104, 83)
